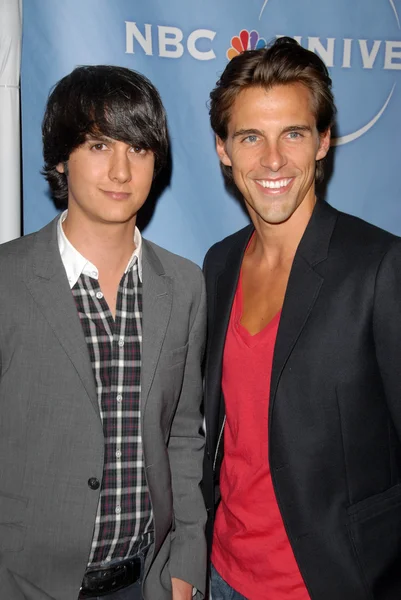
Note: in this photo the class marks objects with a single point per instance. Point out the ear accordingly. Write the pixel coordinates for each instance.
(222, 153)
(60, 167)
(324, 144)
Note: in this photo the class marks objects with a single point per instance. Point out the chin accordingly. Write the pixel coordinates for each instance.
(118, 217)
(275, 218)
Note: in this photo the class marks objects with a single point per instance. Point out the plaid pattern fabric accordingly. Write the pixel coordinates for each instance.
(124, 520)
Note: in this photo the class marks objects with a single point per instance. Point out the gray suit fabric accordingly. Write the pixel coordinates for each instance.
(51, 438)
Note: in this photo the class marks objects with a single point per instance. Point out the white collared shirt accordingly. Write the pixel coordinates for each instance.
(75, 264)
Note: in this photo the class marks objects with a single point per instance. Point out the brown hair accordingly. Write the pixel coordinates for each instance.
(283, 62)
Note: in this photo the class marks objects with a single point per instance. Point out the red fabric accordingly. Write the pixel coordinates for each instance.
(251, 550)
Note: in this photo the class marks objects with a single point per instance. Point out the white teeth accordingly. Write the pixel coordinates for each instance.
(278, 183)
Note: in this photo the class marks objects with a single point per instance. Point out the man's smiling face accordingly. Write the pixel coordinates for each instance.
(272, 147)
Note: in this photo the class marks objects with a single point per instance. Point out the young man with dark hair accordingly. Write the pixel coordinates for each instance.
(101, 341)
(302, 393)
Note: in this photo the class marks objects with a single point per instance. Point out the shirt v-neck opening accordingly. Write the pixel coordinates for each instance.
(248, 338)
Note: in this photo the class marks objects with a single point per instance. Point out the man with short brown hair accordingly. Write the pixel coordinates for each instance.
(302, 391)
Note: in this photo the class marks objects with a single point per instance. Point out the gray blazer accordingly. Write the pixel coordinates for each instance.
(51, 438)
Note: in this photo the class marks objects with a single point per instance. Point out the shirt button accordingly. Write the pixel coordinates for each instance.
(94, 273)
(119, 398)
(121, 342)
(99, 295)
(118, 454)
(94, 483)
(118, 510)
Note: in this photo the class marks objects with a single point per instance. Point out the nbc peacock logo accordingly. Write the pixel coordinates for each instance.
(246, 40)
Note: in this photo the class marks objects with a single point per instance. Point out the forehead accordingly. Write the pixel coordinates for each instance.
(290, 104)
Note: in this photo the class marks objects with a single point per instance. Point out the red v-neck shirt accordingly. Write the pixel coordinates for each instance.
(251, 550)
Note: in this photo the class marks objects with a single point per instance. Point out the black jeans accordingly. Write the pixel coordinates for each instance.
(132, 592)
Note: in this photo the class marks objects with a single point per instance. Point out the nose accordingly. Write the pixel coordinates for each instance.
(120, 166)
(273, 157)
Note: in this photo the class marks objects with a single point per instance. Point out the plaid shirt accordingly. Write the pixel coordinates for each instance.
(124, 520)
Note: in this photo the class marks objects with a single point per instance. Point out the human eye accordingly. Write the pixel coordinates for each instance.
(294, 135)
(98, 146)
(137, 149)
(251, 139)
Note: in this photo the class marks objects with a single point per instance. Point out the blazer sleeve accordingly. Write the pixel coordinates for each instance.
(186, 448)
(387, 329)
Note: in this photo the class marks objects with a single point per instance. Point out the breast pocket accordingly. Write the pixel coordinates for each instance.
(13, 510)
(176, 356)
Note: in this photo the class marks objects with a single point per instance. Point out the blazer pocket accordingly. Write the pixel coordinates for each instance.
(176, 356)
(375, 529)
(374, 505)
(13, 511)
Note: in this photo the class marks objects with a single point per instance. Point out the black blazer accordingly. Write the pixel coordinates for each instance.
(335, 402)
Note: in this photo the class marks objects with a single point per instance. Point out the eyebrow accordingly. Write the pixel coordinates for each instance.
(98, 138)
(296, 128)
(241, 132)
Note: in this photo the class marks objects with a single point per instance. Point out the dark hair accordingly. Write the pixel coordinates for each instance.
(283, 62)
(100, 100)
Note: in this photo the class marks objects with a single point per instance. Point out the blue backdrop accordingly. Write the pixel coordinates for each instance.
(183, 46)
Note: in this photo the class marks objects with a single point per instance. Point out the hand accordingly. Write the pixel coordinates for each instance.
(181, 589)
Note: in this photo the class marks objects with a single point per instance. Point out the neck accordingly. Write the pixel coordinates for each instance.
(277, 243)
(108, 246)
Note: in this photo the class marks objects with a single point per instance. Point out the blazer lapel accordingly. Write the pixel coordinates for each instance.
(303, 288)
(225, 288)
(49, 287)
(157, 302)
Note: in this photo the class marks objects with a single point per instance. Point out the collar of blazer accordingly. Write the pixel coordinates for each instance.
(48, 284)
(222, 269)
